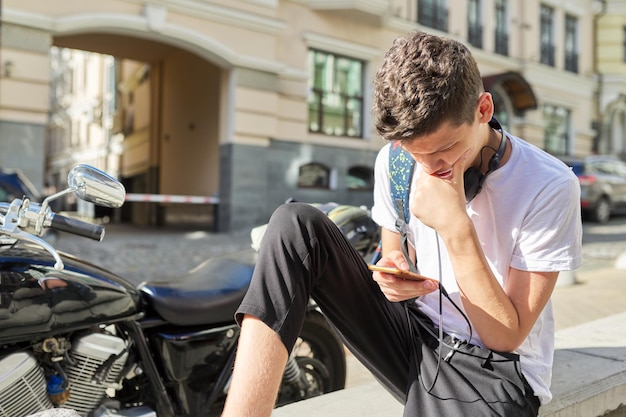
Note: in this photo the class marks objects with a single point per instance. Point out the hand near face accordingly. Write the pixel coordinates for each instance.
(438, 198)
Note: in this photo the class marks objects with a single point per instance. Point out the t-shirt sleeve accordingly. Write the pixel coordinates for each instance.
(551, 236)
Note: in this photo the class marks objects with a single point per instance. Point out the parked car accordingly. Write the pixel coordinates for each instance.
(602, 185)
(14, 184)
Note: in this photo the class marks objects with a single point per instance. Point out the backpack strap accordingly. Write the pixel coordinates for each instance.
(401, 165)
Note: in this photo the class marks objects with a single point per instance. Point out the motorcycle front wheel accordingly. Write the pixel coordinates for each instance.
(321, 361)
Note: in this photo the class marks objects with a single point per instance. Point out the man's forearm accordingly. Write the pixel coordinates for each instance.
(489, 308)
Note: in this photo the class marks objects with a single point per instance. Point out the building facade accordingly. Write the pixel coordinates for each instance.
(258, 101)
(611, 69)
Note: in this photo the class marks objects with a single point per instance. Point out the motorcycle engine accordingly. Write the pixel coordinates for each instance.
(89, 354)
(19, 375)
(96, 361)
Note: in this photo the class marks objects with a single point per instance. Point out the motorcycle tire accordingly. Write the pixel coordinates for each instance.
(321, 358)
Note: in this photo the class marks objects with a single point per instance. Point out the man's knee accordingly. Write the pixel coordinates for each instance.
(292, 214)
(296, 209)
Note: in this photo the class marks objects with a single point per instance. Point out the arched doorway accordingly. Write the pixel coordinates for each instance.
(615, 143)
(512, 96)
(166, 124)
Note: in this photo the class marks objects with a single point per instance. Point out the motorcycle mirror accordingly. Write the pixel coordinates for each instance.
(92, 185)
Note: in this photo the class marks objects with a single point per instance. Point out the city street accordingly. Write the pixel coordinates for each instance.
(140, 254)
(213, 113)
(602, 243)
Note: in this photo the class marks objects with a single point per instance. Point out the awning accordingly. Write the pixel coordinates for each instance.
(519, 91)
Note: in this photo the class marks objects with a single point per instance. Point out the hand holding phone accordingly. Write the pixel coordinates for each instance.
(400, 273)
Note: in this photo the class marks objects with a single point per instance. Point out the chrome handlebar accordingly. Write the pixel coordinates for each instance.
(25, 220)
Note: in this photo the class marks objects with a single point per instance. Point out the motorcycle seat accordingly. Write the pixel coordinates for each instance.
(209, 294)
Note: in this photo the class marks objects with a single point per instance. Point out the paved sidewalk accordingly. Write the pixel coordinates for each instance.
(140, 254)
(598, 293)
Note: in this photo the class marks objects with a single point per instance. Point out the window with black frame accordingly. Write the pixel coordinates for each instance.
(571, 43)
(314, 175)
(360, 178)
(433, 14)
(624, 45)
(474, 23)
(335, 94)
(500, 110)
(557, 122)
(502, 28)
(547, 35)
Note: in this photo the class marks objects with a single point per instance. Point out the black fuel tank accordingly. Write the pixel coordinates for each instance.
(36, 299)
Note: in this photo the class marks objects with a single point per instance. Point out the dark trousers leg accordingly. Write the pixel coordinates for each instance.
(304, 254)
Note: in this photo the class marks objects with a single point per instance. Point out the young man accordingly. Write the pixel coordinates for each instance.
(480, 340)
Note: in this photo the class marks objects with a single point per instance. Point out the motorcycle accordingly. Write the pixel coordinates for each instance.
(76, 336)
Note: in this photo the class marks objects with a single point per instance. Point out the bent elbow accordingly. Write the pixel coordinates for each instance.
(503, 344)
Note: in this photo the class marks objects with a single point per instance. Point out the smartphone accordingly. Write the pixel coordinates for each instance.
(400, 273)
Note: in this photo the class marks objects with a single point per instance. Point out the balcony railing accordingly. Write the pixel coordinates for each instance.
(433, 17)
(571, 62)
(547, 54)
(475, 35)
(502, 43)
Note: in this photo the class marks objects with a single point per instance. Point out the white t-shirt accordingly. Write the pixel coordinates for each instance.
(527, 216)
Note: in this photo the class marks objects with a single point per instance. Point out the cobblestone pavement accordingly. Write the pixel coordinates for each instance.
(140, 254)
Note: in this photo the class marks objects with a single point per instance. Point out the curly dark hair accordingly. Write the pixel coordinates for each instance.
(424, 81)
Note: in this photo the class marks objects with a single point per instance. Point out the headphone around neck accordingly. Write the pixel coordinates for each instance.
(473, 178)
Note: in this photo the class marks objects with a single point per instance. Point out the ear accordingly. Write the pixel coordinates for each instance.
(485, 107)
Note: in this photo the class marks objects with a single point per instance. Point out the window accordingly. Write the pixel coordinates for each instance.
(500, 110)
(474, 24)
(616, 141)
(624, 45)
(557, 129)
(502, 29)
(433, 13)
(571, 43)
(314, 175)
(111, 86)
(547, 35)
(360, 178)
(335, 94)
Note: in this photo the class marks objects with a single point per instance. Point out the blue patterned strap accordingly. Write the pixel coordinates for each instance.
(400, 174)
(401, 165)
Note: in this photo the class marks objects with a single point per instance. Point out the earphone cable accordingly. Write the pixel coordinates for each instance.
(439, 337)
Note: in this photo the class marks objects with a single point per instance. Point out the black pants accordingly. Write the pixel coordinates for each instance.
(303, 254)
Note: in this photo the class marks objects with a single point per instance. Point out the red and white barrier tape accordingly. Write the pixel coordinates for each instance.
(164, 198)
